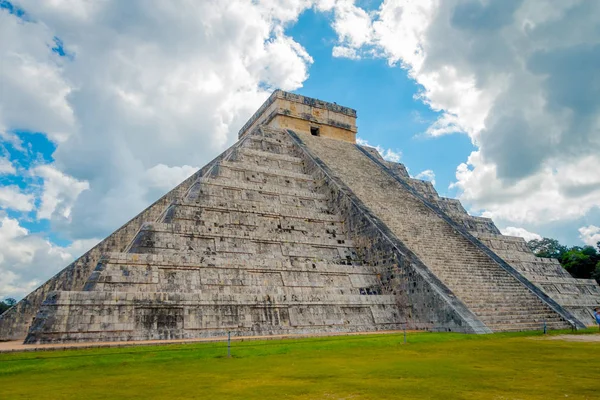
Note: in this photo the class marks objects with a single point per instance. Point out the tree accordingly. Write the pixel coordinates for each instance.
(547, 248)
(580, 262)
(6, 304)
(596, 273)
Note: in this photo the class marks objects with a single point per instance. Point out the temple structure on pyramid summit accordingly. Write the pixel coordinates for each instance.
(296, 229)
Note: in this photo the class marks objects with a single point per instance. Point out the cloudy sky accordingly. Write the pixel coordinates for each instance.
(106, 105)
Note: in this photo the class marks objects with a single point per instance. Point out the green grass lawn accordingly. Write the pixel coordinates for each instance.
(430, 366)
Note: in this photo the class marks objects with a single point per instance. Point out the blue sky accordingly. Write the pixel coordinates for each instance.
(384, 96)
(106, 106)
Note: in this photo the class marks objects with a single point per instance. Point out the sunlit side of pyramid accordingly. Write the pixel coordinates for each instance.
(295, 229)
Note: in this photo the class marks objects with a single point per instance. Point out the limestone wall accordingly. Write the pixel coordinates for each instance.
(119, 316)
(326, 129)
(288, 110)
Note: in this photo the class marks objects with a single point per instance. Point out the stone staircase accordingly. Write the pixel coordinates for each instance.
(495, 296)
(579, 296)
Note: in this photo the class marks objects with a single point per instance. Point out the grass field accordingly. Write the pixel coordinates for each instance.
(429, 366)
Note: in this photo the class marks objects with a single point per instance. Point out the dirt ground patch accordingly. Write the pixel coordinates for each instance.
(17, 345)
(574, 338)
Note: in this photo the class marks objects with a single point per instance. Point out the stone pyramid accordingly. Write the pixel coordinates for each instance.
(295, 229)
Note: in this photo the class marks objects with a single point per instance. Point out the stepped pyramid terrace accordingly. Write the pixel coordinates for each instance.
(296, 229)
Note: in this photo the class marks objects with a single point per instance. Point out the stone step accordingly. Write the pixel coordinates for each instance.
(506, 299)
(237, 184)
(247, 151)
(492, 308)
(326, 238)
(232, 287)
(490, 315)
(499, 288)
(262, 170)
(520, 320)
(462, 272)
(243, 223)
(266, 162)
(491, 291)
(207, 194)
(240, 261)
(507, 304)
(276, 133)
(159, 237)
(477, 274)
(176, 298)
(265, 209)
(485, 283)
(518, 327)
(487, 314)
(302, 275)
(241, 172)
(270, 145)
(477, 277)
(497, 291)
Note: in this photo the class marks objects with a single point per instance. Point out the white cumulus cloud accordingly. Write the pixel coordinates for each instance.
(520, 78)
(387, 153)
(34, 89)
(27, 260)
(147, 90)
(520, 232)
(427, 175)
(345, 52)
(59, 192)
(12, 198)
(146, 83)
(6, 167)
(166, 178)
(590, 235)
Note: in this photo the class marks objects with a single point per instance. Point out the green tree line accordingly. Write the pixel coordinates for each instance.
(580, 262)
(6, 304)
